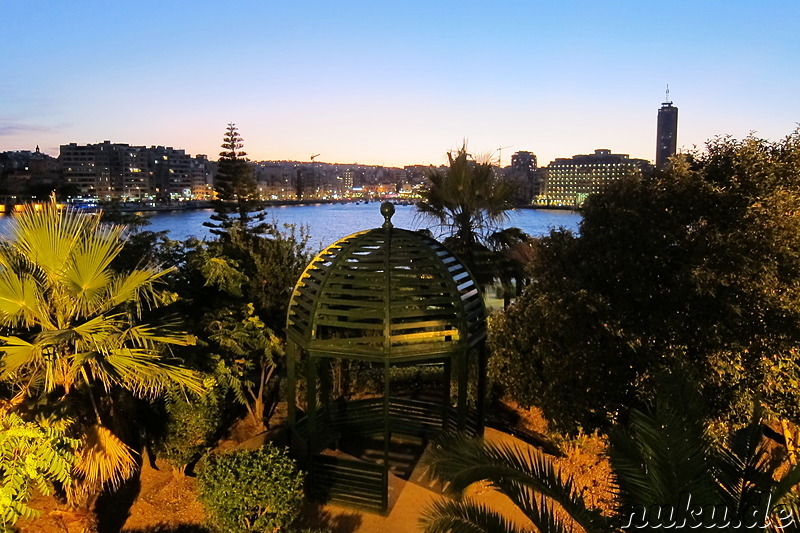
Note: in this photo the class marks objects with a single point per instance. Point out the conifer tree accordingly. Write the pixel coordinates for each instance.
(237, 205)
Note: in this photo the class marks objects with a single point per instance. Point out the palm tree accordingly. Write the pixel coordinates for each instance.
(663, 460)
(73, 336)
(469, 202)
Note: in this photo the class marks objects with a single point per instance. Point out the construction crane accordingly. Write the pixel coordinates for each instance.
(314, 156)
(500, 155)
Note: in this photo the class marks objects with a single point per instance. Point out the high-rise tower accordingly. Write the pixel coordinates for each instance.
(667, 132)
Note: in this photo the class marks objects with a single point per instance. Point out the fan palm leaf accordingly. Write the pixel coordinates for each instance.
(57, 285)
(104, 458)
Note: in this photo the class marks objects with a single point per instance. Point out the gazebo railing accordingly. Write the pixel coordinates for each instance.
(406, 416)
(356, 483)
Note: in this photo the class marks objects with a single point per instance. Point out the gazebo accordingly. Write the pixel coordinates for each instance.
(391, 298)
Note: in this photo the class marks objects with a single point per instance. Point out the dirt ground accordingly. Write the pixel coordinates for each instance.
(161, 500)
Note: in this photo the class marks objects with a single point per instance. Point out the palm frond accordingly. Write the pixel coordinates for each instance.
(17, 353)
(19, 299)
(664, 452)
(104, 459)
(541, 512)
(46, 239)
(142, 372)
(136, 286)
(462, 461)
(465, 517)
(742, 466)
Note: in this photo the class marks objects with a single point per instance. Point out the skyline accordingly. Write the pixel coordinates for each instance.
(396, 84)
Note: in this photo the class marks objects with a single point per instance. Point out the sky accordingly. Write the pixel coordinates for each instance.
(396, 83)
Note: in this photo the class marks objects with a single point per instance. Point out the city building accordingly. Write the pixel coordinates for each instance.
(26, 174)
(526, 173)
(104, 171)
(566, 182)
(666, 132)
(115, 171)
(170, 173)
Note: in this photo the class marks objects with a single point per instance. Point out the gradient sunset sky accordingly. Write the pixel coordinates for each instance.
(395, 83)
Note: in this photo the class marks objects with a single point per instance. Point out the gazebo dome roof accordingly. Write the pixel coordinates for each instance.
(386, 293)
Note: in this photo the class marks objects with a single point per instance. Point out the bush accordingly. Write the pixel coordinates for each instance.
(191, 426)
(251, 490)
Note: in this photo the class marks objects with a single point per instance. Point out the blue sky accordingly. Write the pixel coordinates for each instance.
(395, 82)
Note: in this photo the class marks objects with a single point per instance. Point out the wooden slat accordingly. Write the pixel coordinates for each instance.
(352, 482)
(345, 286)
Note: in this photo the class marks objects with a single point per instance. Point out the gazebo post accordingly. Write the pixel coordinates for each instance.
(311, 401)
(463, 375)
(386, 432)
(448, 380)
(481, 403)
(291, 382)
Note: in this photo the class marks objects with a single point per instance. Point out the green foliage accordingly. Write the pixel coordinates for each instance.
(697, 266)
(658, 458)
(666, 453)
(237, 291)
(231, 273)
(249, 354)
(251, 491)
(32, 455)
(192, 422)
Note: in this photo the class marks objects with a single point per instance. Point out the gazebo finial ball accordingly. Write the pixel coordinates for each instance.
(387, 210)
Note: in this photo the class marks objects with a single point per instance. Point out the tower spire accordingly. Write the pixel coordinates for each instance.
(666, 133)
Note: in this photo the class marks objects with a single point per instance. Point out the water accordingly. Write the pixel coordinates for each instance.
(330, 222)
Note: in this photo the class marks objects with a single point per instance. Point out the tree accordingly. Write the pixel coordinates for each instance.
(251, 353)
(237, 293)
(469, 202)
(75, 339)
(663, 459)
(697, 265)
(237, 205)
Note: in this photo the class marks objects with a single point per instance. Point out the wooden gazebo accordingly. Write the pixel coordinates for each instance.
(389, 297)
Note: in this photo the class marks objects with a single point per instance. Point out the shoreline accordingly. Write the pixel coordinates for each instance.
(192, 205)
(197, 205)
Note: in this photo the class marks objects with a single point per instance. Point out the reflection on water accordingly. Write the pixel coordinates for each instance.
(329, 222)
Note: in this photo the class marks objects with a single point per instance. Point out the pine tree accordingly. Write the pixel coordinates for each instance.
(237, 206)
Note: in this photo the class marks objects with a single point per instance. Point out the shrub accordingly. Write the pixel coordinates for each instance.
(191, 426)
(251, 490)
